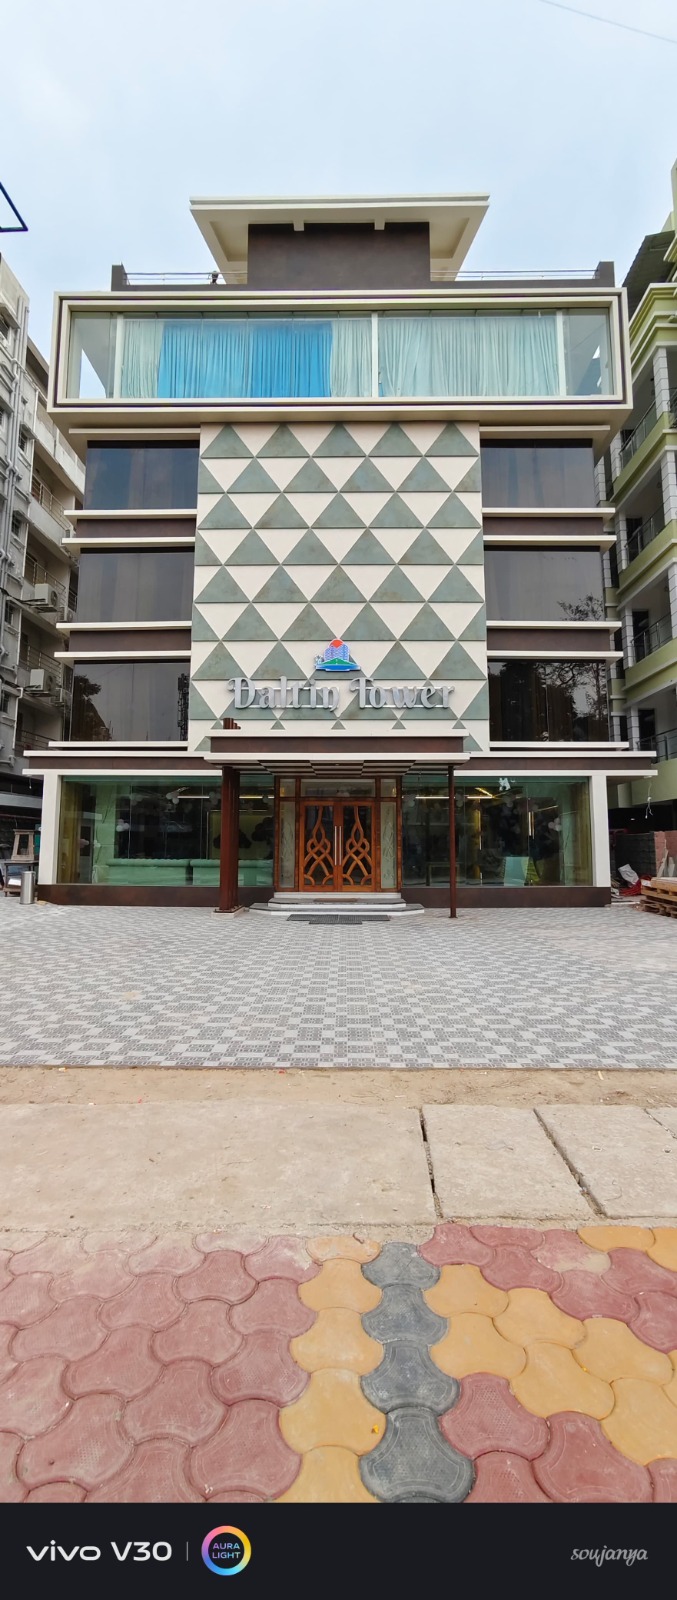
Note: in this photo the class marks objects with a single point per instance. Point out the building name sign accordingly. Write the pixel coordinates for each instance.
(287, 694)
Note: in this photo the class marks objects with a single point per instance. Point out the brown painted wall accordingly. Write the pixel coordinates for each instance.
(137, 527)
(325, 256)
(565, 527)
(131, 639)
(563, 640)
(101, 894)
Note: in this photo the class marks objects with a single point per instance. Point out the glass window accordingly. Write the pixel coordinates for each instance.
(538, 473)
(134, 700)
(141, 477)
(425, 829)
(480, 354)
(587, 353)
(532, 585)
(514, 832)
(561, 700)
(135, 586)
(257, 831)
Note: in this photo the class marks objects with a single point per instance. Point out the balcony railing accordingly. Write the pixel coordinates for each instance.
(644, 427)
(470, 352)
(26, 740)
(664, 744)
(31, 658)
(35, 573)
(651, 638)
(644, 534)
(49, 502)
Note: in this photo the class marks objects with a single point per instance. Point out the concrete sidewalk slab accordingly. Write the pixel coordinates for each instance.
(497, 1161)
(625, 1159)
(202, 1164)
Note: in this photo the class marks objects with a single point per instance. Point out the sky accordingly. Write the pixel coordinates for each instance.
(113, 116)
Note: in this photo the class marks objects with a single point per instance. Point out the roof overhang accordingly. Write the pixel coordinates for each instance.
(453, 221)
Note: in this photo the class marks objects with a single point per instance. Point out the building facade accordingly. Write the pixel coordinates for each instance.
(341, 621)
(642, 468)
(41, 478)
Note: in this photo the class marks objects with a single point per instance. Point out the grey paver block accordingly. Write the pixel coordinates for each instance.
(239, 1161)
(625, 1158)
(413, 1459)
(401, 1263)
(407, 1376)
(497, 1161)
(403, 1315)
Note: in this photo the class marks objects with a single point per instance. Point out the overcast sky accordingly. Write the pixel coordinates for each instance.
(113, 116)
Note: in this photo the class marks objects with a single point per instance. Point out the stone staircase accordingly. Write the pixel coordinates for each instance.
(332, 907)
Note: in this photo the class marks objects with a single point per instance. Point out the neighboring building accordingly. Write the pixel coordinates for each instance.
(641, 465)
(340, 569)
(41, 477)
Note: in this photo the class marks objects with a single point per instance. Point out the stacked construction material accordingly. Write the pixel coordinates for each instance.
(660, 895)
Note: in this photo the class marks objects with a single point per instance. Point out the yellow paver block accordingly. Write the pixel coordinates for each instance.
(329, 1476)
(531, 1315)
(664, 1248)
(474, 1345)
(552, 1381)
(332, 1411)
(328, 1246)
(464, 1289)
(340, 1283)
(671, 1387)
(336, 1339)
(643, 1423)
(611, 1350)
(602, 1237)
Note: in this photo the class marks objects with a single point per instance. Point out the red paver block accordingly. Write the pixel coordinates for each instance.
(7, 1364)
(129, 1240)
(262, 1370)
(504, 1480)
(656, 1320)
(167, 1255)
(275, 1304)
(51, 1255)
(242, 1499)
(203, 1332)
(150, 1303)
(71, 1330)
(87, 1446)
(497, 1237)
(55, 1494)
(156, 1474)
(242, 1240)
(123, 1365)
(454, 1245)
(33, 1399)
(181, 1403)
(632, 1271)
(104, 1274)
(582, 1294)
(488, 1418)
(516, 1268)
(580, 1464)
(247, 1454)
(663, 1476)
(26, 1299)
(5, 1274)
(11, 1490)
(563, 1251)
(285, 1257)
(221, 1277)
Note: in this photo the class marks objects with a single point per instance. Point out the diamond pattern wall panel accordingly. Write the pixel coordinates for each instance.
(365, 532)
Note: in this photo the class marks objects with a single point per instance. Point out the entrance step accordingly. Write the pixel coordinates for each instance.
(329, 907)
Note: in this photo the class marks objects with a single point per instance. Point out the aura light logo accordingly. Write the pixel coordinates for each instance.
(336, 658)
(226, 1551)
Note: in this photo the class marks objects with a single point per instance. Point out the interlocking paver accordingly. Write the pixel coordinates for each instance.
(181, 1403)
(408, 1376)
(285, 1257)
(465, 1289)
(656, 1320)
(608, 1236)
(7, 1362)
(337, 1338)
(663, 1476)
(156, 1474)
(610, 1350)
(56, 1494)
(553, 1381)
(413, 1459)
(333, 1410)
(88, 1445)
(530, 1315)
(632, 1271)
(124, 1364)
(10, 1488)
(221, 1277)
(32, 1399)
(579, 1463)
(664, 1248)
(347, 1245)
(489, 1418)
(274, 1304)
(643, 1423)
(403, 1315)
(516, 1268)
(328, 1475)
(248, 1452)
(72, 1329)
(26, 1300)
(203, 1331)
(262, 1370)
(173, 1255)
(453, 1244)
(507, 1478)
(401, 1264)
(340, 1283)
(150, 1303)
(563, 1251)
(473, 1344)
(586, 1294)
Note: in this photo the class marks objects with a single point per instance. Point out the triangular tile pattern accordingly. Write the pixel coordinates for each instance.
(367, 531)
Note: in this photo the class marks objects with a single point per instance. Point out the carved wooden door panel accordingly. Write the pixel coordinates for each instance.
(356, 841)
(319, 846)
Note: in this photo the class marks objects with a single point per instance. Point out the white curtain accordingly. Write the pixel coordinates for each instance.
(351, 356)
(457, 355)
(141, 357)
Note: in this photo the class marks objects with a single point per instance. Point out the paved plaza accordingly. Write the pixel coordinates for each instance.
(484, 1364)
(185, 987)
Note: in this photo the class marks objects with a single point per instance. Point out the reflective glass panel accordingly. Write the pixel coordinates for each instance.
(137, 700)
(561, 700)
(135, 586)
(141, 477)
(538, 473)
(533, 585)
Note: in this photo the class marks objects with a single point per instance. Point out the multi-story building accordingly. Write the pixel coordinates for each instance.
(641, 465)
(41, 477)
(341, 618)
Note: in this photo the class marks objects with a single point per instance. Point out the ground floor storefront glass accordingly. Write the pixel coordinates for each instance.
(514, 832)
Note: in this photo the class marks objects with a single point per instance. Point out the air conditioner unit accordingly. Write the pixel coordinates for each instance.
(42, 681)
(46, 597)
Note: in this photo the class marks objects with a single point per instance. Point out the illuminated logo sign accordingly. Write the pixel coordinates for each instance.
(336, 658)
(226, 1550)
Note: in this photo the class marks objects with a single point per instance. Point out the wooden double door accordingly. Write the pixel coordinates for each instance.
(338, 846)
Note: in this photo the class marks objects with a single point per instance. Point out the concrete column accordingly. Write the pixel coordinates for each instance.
(632, 715)
(672, 595)
(628, 639)
(230, 834)
(49, 828)
(622, 541)
(600, 481)
(669, 485)
(599, 830)
(661, 380)
(615, 456)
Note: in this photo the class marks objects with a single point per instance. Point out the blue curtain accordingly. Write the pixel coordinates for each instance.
(456, 355)
(223, 367)
(180, 370)
(288, 359)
